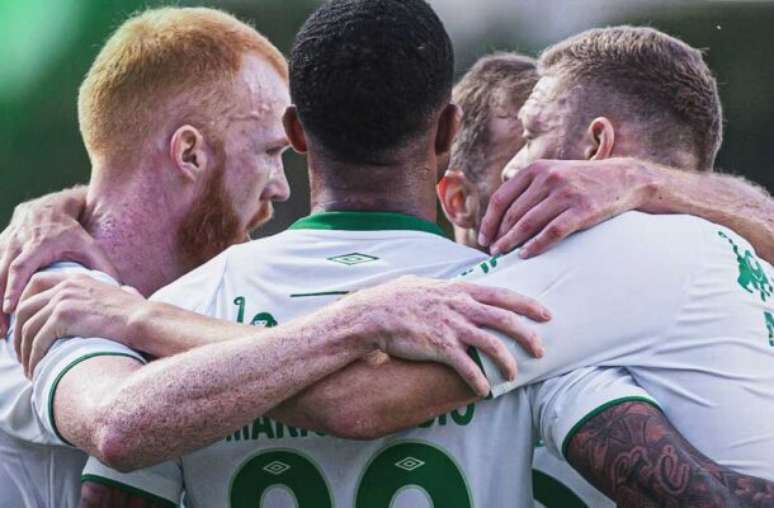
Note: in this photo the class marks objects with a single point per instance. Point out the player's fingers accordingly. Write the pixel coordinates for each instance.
(524, 203)
(41, 343)
(28, 320)
(499, 203)
(492, 347)
(29, 308)
(469, 371)
(508, 300)
(530, 224)
(29, 330)
(511, 325)
(6, 258)
(558, 229)
(20, 272)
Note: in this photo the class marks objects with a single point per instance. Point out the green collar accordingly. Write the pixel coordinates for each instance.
(366, 221)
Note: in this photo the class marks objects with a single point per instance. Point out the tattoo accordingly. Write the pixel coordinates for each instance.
(633, 454)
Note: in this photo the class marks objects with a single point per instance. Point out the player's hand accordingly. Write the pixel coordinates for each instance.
(433, 320)
(59, 305)
(42, 232)
(549, 200)
(95, 495)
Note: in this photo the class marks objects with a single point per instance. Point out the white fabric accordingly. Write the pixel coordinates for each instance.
(681, 303)
(37, 469)
(488, 444)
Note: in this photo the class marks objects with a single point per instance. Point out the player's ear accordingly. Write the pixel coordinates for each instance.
(459, 199)
(448, 125)
(599, 140)
(189, 152)
(294, 130)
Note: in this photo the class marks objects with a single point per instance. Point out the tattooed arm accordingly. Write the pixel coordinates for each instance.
(634, 455)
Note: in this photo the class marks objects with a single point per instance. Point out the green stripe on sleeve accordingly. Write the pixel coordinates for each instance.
(107, 482)
(583, 421)
(59, 378)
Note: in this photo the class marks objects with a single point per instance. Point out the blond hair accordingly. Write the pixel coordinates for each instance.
(647, 75)
(501, 80)
(158, 57)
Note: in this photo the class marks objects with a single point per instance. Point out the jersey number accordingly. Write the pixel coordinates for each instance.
(387, 473)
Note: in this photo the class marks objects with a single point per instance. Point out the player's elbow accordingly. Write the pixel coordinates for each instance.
(114, 445)
(112, 450)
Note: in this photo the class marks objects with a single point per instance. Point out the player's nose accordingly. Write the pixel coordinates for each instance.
(278, 188)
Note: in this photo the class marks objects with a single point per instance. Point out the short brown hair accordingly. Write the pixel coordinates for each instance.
(152, 59)
(644, 74)
(500, 80)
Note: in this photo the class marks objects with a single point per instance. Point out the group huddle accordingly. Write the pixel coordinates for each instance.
(600, 333)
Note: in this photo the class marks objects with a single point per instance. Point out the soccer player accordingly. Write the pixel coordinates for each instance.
(262, 455)
(186, 159)
(491, 94)
(636, 92)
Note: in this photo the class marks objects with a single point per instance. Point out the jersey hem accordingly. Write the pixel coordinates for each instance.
(166, 503)
(583, 421)
(59, 377)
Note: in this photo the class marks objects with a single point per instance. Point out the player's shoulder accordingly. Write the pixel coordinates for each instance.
(637, 235)
(194, 290)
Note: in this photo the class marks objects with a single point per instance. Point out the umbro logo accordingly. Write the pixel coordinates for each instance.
(354, 258)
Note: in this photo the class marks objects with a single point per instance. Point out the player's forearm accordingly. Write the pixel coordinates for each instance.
(633, 455)
(164, 330)
(727, 200)
(188, 401)
(375, 397)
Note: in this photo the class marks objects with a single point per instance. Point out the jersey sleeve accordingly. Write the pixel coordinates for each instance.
(162, 483)
(28, 410)
(563, 404)
(612, 290)
(60, 359)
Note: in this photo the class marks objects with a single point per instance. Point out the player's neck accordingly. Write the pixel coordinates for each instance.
(137, 234)
(402, 187)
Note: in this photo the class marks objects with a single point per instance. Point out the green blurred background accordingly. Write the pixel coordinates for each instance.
(47, 47)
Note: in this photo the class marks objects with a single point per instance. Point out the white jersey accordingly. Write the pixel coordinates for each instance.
(478, 455)
(683, 304)
(37, 467)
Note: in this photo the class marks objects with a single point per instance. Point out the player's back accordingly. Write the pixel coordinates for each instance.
(450, 458)
(683, 304)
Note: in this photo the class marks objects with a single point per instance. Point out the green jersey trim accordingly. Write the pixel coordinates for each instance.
(583, 421)
(107, 482)
(59, 378)
(366, 221)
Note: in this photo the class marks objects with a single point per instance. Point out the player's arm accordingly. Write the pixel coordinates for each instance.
(376, 396)
(549, 200)
(636, 457)
(616, 436)
(129, 416)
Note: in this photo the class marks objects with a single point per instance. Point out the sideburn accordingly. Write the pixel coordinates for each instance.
(212, 225)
